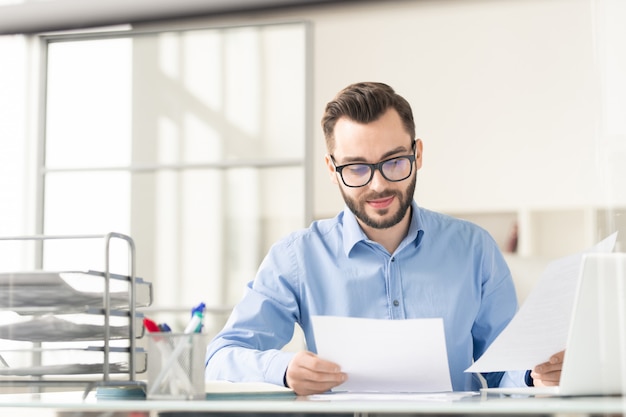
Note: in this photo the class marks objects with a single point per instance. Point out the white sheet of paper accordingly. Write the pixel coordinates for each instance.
(540, 327)
(385, 355)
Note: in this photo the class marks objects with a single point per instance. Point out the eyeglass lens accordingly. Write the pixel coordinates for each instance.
(396, 169)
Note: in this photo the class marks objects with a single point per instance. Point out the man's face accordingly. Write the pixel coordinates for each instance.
(381, 203)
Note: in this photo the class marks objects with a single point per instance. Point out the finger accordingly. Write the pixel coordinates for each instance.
(323, 366)
(306, 374)
(306, 382)
(540, 383)
(547, 376)
(557, 357)
(548, 367)
(315, 363)
(551, 378)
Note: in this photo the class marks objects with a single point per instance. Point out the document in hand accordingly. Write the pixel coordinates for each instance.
(540, 327)
(385, 355)
(595, 358)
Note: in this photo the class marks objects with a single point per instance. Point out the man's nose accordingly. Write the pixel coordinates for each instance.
(378, 182)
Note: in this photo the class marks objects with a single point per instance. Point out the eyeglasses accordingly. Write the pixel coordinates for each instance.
(359, 174)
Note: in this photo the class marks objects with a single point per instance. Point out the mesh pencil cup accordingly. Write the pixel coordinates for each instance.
(176, 366)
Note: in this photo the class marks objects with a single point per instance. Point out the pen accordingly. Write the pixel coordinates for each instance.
(150, 325)
(195, 324)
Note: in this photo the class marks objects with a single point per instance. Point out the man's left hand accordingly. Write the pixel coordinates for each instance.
(548, 373)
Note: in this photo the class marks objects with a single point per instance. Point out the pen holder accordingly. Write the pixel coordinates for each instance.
(176, 366)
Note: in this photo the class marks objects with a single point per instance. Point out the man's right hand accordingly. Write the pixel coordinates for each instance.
(308, 374)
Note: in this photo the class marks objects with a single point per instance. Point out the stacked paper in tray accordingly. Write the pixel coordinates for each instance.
(65, 313)
(68, 289)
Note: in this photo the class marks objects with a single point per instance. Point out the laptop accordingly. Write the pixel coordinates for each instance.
(595, 357)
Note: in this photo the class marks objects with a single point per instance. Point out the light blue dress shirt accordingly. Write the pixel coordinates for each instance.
(444, 267)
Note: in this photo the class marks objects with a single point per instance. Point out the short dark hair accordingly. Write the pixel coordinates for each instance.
(365, 102)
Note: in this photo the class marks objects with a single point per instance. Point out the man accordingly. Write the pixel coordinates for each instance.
(382, 257)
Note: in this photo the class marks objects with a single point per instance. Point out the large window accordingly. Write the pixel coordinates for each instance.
(191, 142)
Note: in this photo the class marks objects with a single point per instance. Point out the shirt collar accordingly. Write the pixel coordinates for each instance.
(353, 234)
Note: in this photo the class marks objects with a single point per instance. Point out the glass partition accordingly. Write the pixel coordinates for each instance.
(192, 142)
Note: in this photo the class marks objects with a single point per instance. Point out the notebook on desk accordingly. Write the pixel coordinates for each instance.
(595, 358)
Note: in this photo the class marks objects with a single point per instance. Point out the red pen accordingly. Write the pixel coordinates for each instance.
(150, 325)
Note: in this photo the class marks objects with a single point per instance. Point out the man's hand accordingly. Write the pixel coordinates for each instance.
(308, 374)
(548, 373)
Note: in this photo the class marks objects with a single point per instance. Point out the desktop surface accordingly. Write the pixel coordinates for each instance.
(475, 404)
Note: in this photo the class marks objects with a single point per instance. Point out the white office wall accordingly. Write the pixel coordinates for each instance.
(610, 54)
(503, 94)
(506, 95)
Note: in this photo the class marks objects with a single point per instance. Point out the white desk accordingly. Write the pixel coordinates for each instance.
(62, 404)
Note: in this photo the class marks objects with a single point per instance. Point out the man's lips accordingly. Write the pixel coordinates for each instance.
(381, 203)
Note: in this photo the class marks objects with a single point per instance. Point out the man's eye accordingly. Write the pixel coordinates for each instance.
(358, 170)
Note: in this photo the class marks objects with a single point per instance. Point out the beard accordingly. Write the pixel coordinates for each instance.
(357, 206)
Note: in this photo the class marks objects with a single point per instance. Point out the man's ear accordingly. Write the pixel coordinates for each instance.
(331, 169)
(418, 148)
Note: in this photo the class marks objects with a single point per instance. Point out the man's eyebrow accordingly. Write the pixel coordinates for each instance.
(355, 159)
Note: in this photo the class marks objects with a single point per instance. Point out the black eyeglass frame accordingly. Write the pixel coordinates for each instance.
(373, 167)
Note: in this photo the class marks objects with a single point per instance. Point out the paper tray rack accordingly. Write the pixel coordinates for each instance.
(110, 307)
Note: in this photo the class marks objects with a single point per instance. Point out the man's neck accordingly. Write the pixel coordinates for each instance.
(391, 237)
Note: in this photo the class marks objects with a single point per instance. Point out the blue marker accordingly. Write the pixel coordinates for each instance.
(195, 324)
(164, 327)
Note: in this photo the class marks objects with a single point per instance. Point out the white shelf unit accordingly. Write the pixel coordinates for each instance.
(113, 304)
(545, 234)
(551, 232)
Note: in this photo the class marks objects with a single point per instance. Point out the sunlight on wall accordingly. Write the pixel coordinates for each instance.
(243, 60)
(203, 67)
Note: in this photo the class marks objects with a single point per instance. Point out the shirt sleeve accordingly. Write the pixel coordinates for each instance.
(248, 347)
(514, 379)
(498, 306)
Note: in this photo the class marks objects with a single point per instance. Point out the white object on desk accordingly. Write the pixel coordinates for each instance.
(540, 327)
(595, 359)
(385, 355)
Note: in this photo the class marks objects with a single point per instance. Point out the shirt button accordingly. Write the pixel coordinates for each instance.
(393, 259)
(396, 303)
